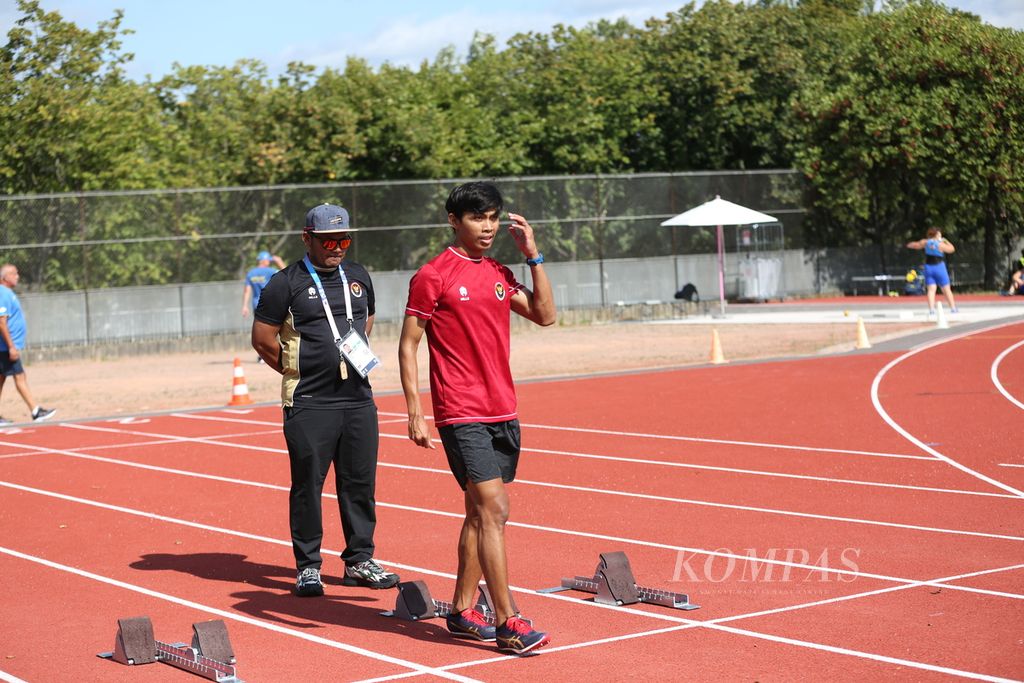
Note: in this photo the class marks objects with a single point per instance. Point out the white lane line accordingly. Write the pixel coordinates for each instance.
(995, 374)
(329, 551)
(731, 470)
(134, 444)
(762, 473)
(913, 439)
(608, 432)
(585, 489)
(1010, 464)
(217, 418)
(727, 442)
(729, 506)
(170, 437)
(817, 568)
(18, 455)
(338, 645)
(626, 494)
(546, 650)
(8, 678)
(862, 655)
(771, 511)
(755, 634)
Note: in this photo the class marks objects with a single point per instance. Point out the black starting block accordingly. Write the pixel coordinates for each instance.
(210, 655)
(613, 584)
(414, 603)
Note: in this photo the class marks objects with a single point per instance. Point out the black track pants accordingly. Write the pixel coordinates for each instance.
(346, 437)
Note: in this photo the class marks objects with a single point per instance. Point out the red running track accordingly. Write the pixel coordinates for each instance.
(845, 518)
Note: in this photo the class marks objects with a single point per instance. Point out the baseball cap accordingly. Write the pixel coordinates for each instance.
(327, 218)
(264, 256)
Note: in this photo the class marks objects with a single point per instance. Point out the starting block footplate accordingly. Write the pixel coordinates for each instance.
(613, 584)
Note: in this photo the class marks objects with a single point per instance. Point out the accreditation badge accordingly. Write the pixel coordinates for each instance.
(357, 352)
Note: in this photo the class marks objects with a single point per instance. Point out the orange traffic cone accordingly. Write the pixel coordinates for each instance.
(239, 389)
(862, 335)
(716, 349)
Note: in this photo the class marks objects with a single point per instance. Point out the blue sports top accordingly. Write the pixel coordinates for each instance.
(10, 307)
(257, 278)
(931, 248)
(932, 254)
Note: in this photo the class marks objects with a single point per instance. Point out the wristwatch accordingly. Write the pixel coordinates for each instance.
(535, 261)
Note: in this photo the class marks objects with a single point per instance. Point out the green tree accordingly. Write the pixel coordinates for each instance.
(920, 125)
(71, 121)
(727, 72)
(583, 99)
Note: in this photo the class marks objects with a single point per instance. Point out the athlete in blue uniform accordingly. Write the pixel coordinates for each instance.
(257, 278)
(935, 274)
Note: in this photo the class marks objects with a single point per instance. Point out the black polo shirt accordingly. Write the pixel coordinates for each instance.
(312, 378)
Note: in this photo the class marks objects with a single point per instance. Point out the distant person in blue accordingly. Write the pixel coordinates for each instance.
(935, 274)
(257, 278)
(12, 341)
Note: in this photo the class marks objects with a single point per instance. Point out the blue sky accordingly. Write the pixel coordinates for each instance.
(322, 33)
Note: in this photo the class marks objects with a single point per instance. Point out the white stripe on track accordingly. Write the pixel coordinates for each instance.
(338, 645)
(913, 439)
(453, 515)
(746, 632)
(995, 374)
(730, 506)
(726, 442)
(764, 473)
(683, 465)
(446, 671)
(567, 487)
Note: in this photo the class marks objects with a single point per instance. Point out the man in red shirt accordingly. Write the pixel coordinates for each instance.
(462, 300)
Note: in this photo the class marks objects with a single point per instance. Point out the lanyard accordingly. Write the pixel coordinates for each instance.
(323, 297)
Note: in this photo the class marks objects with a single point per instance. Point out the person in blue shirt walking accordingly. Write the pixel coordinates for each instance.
(257, 278)
(935, 274)
(12, 341)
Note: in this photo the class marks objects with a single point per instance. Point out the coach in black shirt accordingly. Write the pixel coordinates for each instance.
(329, 413)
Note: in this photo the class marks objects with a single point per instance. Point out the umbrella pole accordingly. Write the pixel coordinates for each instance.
(721, 270)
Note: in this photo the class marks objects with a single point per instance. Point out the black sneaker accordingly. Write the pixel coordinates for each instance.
(470, 624)
(308, 584)
(517, 636)
(369, 574)
(41, 413)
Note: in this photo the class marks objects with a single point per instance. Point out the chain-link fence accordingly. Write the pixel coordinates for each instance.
(99, 240)
(111, 267)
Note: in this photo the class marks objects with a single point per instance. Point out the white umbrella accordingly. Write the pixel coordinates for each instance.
(718, 213)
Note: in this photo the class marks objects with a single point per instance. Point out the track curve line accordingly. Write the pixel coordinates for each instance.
(995, 374)
(913, 439)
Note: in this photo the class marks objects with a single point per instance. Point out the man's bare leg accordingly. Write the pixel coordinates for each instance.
(468, 578)
(21, 383)
(490, 500)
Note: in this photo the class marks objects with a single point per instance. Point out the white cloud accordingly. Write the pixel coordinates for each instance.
(412, 38)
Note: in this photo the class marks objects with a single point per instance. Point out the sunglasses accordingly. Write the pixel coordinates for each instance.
(332, 243)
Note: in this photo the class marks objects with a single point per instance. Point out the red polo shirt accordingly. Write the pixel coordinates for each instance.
(467, 303)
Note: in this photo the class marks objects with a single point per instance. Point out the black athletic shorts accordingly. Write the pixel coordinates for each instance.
(7, 368)
(481, 451)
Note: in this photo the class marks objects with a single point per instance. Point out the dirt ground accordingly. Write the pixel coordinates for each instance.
(177, 381)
